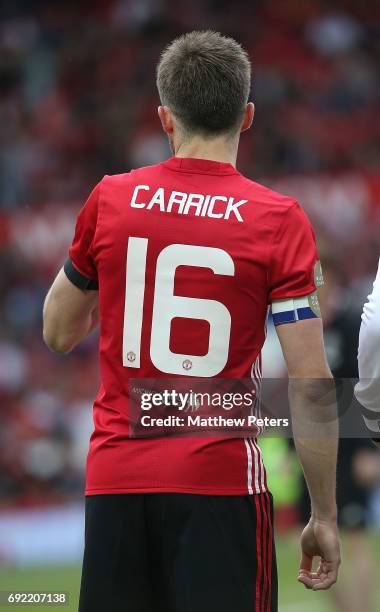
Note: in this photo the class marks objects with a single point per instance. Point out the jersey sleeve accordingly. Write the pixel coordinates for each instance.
(294, 269)
(367, 390)
(80, 268)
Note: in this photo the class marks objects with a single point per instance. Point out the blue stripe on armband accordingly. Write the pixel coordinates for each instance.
(306, 313)
(291, 316)
(280, 318)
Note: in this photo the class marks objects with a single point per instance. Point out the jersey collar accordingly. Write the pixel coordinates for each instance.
(199, 166)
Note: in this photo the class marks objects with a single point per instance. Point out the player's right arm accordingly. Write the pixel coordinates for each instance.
(315, 429)
(71, 305)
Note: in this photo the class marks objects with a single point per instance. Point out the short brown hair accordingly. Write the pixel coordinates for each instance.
(205, 79)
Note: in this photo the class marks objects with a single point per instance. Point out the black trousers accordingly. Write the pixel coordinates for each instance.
(168, 552)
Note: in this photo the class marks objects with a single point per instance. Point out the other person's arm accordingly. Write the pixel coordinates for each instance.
(367, 390)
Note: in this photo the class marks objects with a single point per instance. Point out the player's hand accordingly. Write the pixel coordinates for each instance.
(319, 539)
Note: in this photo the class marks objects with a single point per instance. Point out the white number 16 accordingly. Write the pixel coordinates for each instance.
(167, 306)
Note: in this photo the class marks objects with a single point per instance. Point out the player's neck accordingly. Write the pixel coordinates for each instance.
(217, 149)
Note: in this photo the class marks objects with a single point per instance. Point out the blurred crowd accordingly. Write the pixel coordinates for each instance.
(78, 100)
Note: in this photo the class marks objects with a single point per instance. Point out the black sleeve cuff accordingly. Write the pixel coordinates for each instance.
(78, 279)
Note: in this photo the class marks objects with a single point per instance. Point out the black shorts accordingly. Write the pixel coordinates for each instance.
(168, 552)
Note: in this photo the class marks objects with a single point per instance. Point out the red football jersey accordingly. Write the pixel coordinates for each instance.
(187, 254)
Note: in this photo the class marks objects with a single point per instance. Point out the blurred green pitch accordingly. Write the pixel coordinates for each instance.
(293, 596)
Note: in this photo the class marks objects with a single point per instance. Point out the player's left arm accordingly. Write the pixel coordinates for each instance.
(69, 315)
(294, 276)
(71, 306)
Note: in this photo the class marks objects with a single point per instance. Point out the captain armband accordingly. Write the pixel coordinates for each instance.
(296, 309)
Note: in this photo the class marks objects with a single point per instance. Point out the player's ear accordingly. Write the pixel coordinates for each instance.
(166, 119)
(248, 117)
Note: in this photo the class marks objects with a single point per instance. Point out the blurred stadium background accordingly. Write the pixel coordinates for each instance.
(77, 101)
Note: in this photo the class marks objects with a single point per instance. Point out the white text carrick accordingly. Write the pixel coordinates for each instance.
(215, 207)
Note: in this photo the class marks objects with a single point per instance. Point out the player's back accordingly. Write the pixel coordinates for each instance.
(188, 255)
